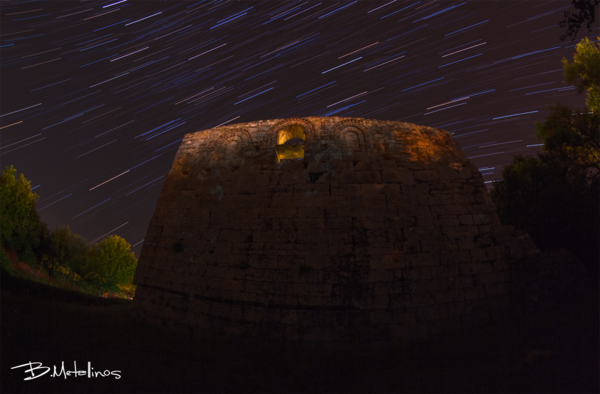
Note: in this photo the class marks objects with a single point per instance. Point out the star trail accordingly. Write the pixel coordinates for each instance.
(96, 96)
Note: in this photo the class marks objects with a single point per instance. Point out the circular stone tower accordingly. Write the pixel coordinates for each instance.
(324, 229)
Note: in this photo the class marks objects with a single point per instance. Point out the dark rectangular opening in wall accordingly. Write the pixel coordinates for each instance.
(314, 176)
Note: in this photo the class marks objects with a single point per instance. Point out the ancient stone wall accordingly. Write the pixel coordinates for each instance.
(382, 231)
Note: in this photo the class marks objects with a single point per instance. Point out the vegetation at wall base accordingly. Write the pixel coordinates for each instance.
(555, 196)
(60, 258)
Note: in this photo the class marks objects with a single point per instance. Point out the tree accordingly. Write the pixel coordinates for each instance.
(555, 209)
(68, 249)
(587, 13)
(585, 72)
(574, 137)
(556, 196)
(19, 220)
(111, 261)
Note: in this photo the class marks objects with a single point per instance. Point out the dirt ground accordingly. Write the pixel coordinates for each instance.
(556, 351)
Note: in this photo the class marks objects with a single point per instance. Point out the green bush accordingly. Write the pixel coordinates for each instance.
(67, 249)
(19, 221)
(111, 261)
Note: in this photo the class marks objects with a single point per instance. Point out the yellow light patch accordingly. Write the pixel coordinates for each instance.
(289, 152)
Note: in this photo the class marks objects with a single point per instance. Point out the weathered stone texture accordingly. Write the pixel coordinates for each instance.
(383, 231)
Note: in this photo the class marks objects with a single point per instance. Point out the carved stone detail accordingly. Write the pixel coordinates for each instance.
(352, 125)
(309, 129)
(228, 137)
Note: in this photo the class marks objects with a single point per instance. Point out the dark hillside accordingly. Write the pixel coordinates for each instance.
(549, 352)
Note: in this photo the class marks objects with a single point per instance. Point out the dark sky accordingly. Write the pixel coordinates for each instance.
(96, 96)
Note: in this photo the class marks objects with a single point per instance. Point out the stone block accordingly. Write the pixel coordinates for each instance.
(444, 296)
(342, 189)
(466, 244)
(482, 254)
(497, 290)
(444, 271)
(367, 165)
(448, 220)
(429, 286)
(458, 232)
(431, 245)
(426, 220)
(506, 240)
(380, 317)
(448, 173)
(349, 177)
(369, 176)
(426, 175)
(459, 308)
(410, 274)
(330, 202)
(381, 275)
(406, 176)
(484, 279)
(391, 176)
(352, 212)
(475, 268)
(482, 218)
(435, 312)
(465, 173)
(387, 165)
(466, 219)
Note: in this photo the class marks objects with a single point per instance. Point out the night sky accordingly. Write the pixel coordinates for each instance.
(96, 96)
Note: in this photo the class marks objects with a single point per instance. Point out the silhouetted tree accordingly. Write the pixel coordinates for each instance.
(587, 13)
(556, 196)
(574, 137)
(556, 209)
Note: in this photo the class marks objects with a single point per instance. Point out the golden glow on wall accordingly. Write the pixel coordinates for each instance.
(289, 132)
(294, 150)
(290, 152)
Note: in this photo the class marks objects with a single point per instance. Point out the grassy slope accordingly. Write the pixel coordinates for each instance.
(50, 325)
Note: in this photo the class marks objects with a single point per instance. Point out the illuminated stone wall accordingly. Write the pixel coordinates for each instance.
(383, 231)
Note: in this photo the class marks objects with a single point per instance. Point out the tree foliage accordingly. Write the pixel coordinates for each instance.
(556, 196)
(111, 261)
(574, 137)
(584, 72)
(19, 220)
(586, 14)
(525, 180)
(67, 249)
(556, 210)
(61, 253)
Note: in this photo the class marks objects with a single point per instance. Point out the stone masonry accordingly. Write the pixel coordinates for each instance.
(369, 231)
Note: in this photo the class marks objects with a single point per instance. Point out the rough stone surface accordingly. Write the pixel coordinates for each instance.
(383, 231)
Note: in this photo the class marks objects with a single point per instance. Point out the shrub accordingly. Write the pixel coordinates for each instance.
(111, 262)
(67, 249)
(19, 220)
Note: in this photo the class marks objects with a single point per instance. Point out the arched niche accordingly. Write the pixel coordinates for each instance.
(229, 144)
(293, 131)
(290, 138)
(352, 136)
(232, 149)
(351, 141)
